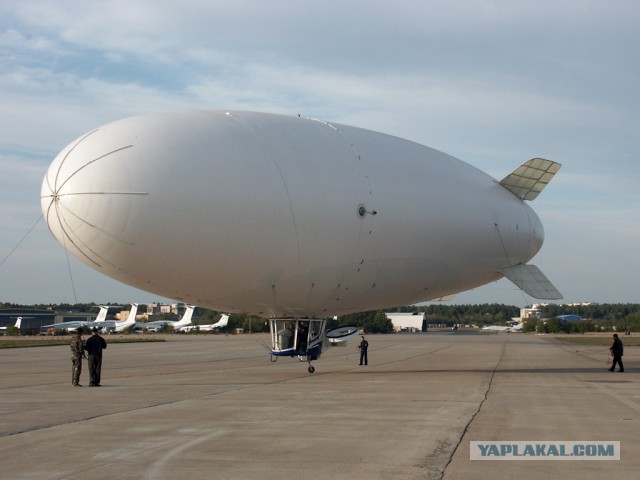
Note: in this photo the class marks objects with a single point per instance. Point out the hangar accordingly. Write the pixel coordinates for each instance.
(408, 321)
(32, 319)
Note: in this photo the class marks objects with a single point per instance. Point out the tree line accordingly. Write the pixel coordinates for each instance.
(604, 316)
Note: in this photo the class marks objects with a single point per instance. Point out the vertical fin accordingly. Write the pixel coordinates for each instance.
(186, 318)
(223, 322)
(103, 313)
(528, 180)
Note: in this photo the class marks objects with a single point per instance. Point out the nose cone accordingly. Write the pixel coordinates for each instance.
(87, 196)
(144, 196)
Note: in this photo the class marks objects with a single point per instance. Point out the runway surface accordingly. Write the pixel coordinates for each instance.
(215, 407)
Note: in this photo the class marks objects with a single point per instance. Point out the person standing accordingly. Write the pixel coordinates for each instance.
(617, 349)
(364, 346)
(77, 352)
(303, 332)
(94, 347)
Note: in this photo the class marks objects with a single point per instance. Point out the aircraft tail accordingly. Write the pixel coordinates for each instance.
(18, 322)
(131, 319)
(530, 178)
(102, 315)
(532, 281)
(186, 318)
(223, 322)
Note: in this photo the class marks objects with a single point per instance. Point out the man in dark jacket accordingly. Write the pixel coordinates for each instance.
(94, 347)
(617, 350)
(364, 346)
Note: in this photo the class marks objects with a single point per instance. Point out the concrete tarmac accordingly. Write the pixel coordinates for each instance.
(215, 407)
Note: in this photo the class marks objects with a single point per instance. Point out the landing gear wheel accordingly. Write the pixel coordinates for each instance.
(311, 369)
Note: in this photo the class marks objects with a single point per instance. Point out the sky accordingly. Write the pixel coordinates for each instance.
(493, 83)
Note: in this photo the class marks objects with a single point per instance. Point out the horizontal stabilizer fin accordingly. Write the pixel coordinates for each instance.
(528, 180)
(530, 279)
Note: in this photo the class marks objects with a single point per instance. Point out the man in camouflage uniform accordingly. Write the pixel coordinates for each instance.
(77, 352)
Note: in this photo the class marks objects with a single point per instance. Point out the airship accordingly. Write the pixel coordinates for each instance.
(289, 217)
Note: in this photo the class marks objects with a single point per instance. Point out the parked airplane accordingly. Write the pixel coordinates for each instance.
(117, 326)
(75, 324)
(68, 326)
(176, 324)
(308, 219)
(514, 327)
(223, 322)
(18, 324)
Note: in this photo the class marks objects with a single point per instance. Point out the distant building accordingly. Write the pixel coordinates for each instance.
(533, 312)
(408, 322)
(159, 309)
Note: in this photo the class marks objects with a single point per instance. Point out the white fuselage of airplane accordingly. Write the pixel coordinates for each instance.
(281, 216)
(118, 326)
(175, 324)
(223, 322)
(99, 322)
(504, 328)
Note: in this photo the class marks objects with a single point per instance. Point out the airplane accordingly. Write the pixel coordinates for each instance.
(159, 324)
(18, 324)
(224, 320)
(75, 324)
(307, 218)
(514, 327)
(117, 326)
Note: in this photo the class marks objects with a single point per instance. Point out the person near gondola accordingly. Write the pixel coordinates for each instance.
(364, 346)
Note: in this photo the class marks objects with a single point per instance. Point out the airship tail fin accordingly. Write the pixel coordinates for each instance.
(528, 180)
(530, 279)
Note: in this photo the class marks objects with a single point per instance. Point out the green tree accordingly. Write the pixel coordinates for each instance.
(377, 323)
(529, 324)
(13, 331)
(552, 325)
